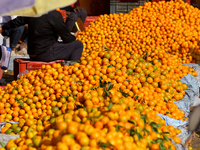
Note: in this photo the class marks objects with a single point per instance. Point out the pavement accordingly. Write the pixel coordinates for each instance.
(8, 77)
(195, 138)
(195, 142)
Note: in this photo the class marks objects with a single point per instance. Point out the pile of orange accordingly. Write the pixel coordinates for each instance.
(113, 126)
(154, 83)
(108, 90)
(172, 26)
(130, 70)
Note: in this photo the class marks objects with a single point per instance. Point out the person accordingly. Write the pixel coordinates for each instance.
(1, 70)
(194, 120)
(14, 33)
(5, 53)
(73, 14)
(43, 34)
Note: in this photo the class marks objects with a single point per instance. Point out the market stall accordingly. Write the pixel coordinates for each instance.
(132, 88)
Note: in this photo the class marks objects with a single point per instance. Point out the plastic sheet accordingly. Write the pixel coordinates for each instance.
(184, 135)
(175, 123)
(2, 124)
(22, 73)
(186, 102)
(196, 67)
(11, 63)
(4, 138)
(190, 98)
(191, 92)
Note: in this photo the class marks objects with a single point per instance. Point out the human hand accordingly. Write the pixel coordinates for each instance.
(76, 34)
(68, 13)
(26, 25)
(77, 9)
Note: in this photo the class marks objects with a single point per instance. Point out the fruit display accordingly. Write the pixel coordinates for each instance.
(155, 84)
(156, 27)
(130, 70)
(107, 90)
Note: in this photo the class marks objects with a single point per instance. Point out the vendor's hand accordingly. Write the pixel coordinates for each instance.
(76, 34)
(77, 9)
(68, 13)
(26, 25)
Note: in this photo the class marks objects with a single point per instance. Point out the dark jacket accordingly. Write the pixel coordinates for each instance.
(42, 31)
(68, 8)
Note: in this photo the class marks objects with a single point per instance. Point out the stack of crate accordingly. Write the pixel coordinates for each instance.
(124, 6)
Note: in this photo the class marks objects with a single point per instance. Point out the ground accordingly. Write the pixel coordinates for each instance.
(8, 77)
(195, 142)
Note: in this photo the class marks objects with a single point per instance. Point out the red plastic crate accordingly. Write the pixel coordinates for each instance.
(89, 19)
(188, 1)
(25, 64)
(2, 87)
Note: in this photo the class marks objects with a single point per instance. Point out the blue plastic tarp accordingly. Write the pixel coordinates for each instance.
(184, 104)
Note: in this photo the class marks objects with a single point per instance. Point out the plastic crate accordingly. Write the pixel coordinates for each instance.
(89, 19)
(2, 87)
(122, 7)
(117, 6)
(135, 5)
(25, 64)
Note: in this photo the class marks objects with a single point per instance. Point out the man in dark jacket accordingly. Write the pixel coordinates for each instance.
(73, 14)
(43, 35)
(1, 70)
